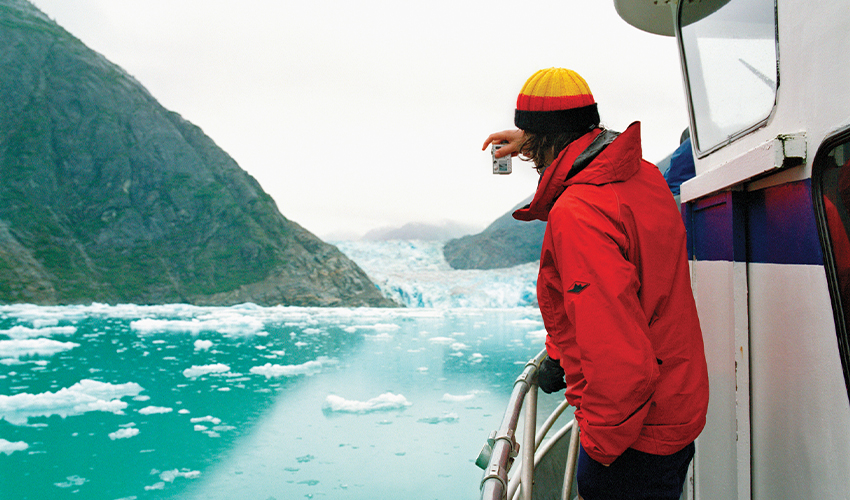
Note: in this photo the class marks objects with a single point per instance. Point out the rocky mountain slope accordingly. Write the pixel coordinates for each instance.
(506, 242)
(106, 196)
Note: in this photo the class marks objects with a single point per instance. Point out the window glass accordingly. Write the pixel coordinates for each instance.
(835, 189)
(731, 62)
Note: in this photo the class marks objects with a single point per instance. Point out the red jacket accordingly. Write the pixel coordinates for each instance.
(615, 294)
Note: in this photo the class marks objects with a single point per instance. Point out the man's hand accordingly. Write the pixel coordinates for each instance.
(550, 376)
(512, 138)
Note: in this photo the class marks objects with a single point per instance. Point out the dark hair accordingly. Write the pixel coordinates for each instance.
(536, 145)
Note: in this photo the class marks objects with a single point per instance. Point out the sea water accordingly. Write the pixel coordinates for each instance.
(248, 402)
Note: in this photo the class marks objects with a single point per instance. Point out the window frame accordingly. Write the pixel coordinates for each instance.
(699, 151)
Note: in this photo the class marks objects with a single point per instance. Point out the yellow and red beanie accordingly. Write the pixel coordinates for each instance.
(555, 100)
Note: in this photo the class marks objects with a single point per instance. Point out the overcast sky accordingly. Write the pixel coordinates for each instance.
(361, 114)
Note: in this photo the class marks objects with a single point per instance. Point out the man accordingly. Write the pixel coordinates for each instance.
(614, 291)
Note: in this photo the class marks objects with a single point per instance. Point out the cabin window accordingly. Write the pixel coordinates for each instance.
(730, 59)
(831, 179)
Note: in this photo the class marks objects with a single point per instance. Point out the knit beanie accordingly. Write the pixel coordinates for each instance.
(555, 100)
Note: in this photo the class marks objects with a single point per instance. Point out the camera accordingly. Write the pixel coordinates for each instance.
(501, 166)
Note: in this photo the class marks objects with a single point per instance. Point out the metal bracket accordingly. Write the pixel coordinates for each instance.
(498, 473)
(487, 451)
(790, 150)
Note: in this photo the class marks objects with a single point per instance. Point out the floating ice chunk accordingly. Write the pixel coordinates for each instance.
(151, 410)
(378, 327)
(124, 433)
(150, 325)
(309, 368)
(222, 321)
(25, 332)
(208, 418)
(447, 418)
(384, 402)
(8, 447)
(526, 322)
(383, 327)
(537, 334)
(457, 399)
(71, 482)
(33, 347)
(459, 346)
(451, 398)
(202, 345)
(441, 340)
(383, 336)
(42, 322)
(156, 486)
(170, 475)
(198, 371)
(206, 430)
(82, 397)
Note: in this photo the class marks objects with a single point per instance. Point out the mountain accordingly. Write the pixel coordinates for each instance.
(420, 231)
(106, 196)
(506, 242)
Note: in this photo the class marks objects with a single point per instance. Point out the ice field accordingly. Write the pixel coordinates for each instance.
(176, 401)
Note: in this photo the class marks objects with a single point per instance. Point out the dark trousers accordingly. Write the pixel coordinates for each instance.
(634, 476)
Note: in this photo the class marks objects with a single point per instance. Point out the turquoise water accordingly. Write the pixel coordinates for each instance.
(132, 402)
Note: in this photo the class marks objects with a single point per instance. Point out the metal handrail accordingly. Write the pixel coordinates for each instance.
(501, 448)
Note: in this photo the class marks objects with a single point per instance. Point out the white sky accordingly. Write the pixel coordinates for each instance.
(360, 114)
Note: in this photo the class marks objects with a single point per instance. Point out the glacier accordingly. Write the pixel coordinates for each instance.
(415, 273)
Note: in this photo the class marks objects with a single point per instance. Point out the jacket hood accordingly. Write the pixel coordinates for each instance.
(598, 157)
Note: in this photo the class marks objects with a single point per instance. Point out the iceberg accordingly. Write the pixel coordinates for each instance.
(33, 347)
(82, 397)
(9, 447)
(200, 371)
(308, 368)
(384, 402)
(124, 433)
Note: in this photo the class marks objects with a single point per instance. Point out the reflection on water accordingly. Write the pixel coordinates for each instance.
(126, 402)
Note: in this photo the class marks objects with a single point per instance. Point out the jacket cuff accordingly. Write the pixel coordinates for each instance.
(604, 443)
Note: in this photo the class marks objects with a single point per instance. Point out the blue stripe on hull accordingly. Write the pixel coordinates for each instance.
(775, 225)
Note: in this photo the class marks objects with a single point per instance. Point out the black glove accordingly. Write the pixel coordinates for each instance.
(550, 376)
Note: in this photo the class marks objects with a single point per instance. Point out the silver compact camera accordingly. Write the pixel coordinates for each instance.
(501, 166)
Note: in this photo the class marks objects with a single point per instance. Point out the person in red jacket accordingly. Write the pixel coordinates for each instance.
(614, 291)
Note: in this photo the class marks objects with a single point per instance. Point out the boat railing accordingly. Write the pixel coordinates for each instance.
(500, 451)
